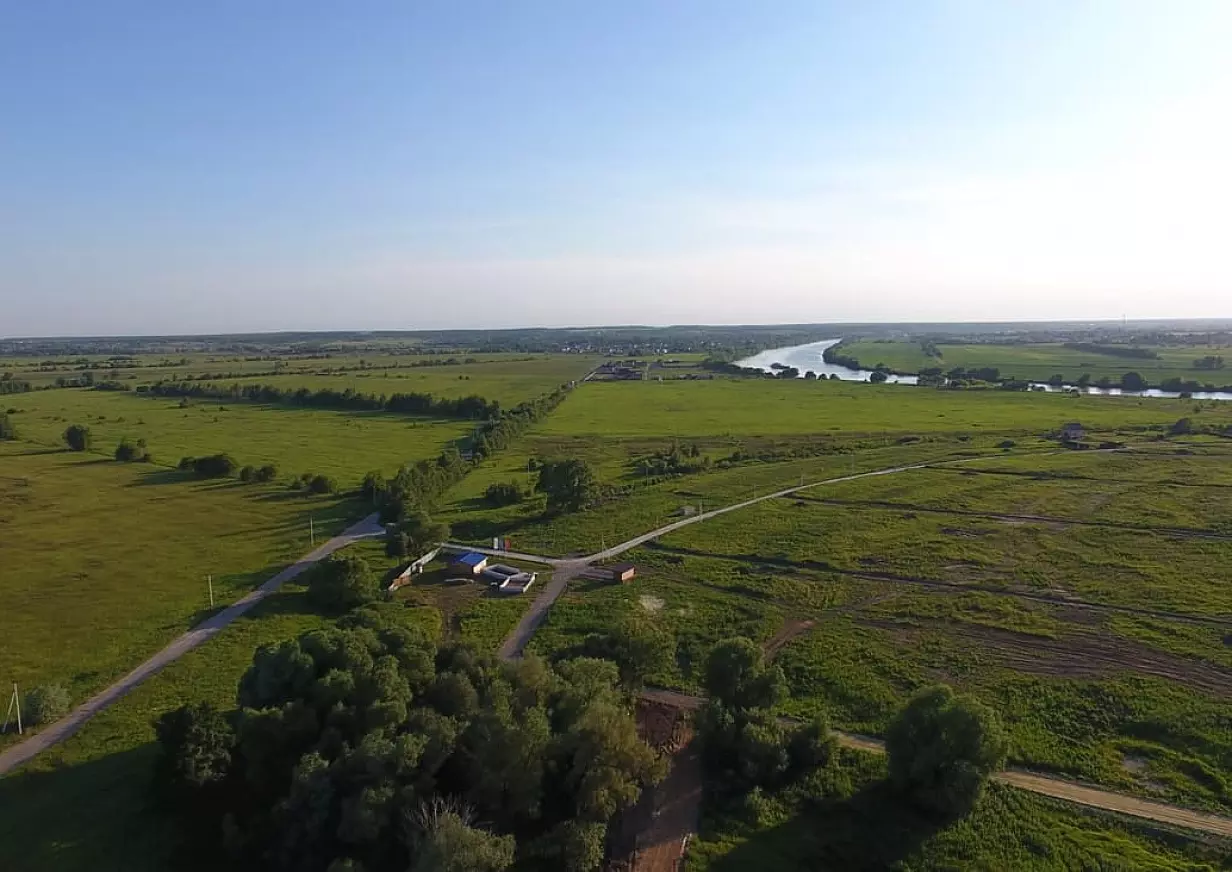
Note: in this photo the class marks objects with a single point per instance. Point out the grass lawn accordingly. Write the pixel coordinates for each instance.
(344, 446)
(1040, 361)
(104, 563)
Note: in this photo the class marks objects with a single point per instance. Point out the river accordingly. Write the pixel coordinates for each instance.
(809, 357)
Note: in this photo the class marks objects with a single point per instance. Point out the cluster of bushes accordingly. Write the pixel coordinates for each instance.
(833, 355)
(505, 493)
(1130, 351)
(942, 747)
(342, 582)
(472, 407)
(7, 430)
(132, 452)
(315, 483)
(258, 474)
(1211, 361)
(10, 385)
(367, 746)
(211, 466)
(676, 460)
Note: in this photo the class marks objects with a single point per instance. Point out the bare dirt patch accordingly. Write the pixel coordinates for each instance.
(791, 628)
(652, 604)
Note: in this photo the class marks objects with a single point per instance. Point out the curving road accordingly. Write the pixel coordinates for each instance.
(198, 635)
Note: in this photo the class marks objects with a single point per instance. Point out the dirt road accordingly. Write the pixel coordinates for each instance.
(1058, 788)
(198, 635)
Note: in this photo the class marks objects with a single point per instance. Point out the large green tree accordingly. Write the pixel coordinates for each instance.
(942, 747)
(342, 582)
(569, 484)
(368, 747)
(738, 676)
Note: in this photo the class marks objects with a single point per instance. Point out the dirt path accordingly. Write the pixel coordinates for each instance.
(198, 635)
(1045, 785)
(520, 636)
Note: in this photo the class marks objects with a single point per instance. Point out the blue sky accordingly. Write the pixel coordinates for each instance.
(233, 166)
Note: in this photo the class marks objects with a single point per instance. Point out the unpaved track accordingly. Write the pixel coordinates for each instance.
(198, 635)
(1057, 788)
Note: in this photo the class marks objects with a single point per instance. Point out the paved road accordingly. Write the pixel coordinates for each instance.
(198, 635)
(1058, 788)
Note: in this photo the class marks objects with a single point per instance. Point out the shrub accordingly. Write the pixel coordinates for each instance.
(45, 704)
(78, 438)
(322, 484)
(129, 452)
(1183, 427)
(266, 473)
(7, 431)
(248, 474)
(215, 466)
(506, 493)
(186, 463)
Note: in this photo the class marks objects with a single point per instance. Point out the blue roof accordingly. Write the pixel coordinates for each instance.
(472, 559)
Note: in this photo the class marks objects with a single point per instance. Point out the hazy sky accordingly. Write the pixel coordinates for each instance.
(226, 166)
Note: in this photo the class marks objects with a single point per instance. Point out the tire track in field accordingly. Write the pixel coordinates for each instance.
(920, 581)
(889, 505)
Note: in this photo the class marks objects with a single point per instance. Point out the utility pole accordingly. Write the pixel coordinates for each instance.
(209, 579)
(14, 705)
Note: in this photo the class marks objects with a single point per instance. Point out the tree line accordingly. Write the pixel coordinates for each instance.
(472, 407)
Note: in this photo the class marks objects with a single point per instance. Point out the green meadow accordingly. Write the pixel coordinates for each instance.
(342, 445)
(1041, 361)
(104, 563)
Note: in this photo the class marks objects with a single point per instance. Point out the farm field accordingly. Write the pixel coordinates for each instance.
(795, 406)
(342, 445)
(1039, 362)
(149, 368)
(104, 563)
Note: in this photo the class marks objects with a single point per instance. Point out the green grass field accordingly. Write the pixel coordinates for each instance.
(1039, 362)
(509, 378)
(104, 563)
(755, 407)
(297, 440)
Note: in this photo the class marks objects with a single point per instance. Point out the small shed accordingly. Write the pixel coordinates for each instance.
(623, 572)
(1073, 432)
(472, 563)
